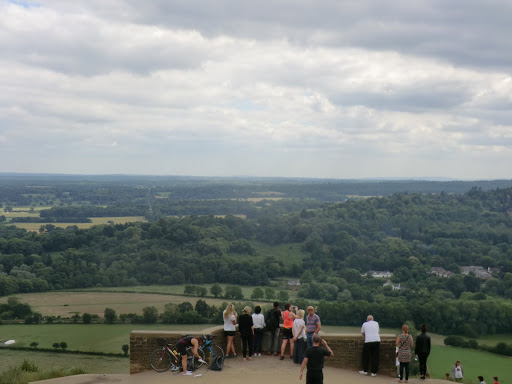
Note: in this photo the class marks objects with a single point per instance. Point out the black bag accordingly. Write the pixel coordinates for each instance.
(217, 363)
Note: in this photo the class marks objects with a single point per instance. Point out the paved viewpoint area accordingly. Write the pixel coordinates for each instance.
(260, 370)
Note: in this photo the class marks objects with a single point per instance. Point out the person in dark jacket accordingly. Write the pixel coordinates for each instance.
(422, 350)
(246, 329)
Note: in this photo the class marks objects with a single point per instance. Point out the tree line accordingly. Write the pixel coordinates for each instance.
(406, 233)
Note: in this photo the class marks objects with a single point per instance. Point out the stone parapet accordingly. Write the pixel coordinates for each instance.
(347, 348)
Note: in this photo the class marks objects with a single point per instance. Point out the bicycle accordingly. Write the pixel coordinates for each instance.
(211, 350)
(161, 359)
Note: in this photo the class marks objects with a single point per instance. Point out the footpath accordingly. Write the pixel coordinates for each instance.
(259, 370)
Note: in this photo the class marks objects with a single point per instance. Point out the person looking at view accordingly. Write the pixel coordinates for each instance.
(230, 316)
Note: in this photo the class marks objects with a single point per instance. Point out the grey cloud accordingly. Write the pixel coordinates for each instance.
(466, 32)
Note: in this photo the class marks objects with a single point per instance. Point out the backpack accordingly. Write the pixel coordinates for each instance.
(217, 363)
(272, 322)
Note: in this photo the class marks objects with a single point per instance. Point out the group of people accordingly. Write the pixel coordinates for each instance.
(457, 374)
(298, 330)
(404, 344)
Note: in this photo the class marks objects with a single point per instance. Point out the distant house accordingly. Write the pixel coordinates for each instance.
(293, 283)
(394, 287)
(441, 272)
(479, 271)
(381, 274)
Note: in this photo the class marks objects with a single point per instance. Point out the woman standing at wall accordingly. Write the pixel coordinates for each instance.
(230, 316)
(404, 343)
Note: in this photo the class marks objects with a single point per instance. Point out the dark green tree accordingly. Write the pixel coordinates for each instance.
(150, 315)
(86, 318)
(216, 290)
(110, 316)
(257, 294)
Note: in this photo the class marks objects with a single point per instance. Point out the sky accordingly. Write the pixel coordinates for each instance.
(273, 88)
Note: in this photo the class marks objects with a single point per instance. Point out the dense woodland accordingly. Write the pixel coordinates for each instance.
(405, 233)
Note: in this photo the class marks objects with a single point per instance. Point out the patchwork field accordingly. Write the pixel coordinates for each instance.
(95, 221)
(178, 290)
(66, 304)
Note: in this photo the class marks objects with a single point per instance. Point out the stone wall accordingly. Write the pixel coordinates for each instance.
(347, 348)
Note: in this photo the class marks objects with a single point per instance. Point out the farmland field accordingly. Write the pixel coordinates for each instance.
(107, 338)
(47, 361)
(177, 290)
(95, 221)
(66, 304)
(287, 253)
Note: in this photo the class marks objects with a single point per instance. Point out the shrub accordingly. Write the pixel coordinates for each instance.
(454, 341)
(471, 344)
(28, 366)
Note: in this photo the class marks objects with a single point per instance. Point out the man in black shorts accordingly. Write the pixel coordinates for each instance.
(314, 360)
(183, 344)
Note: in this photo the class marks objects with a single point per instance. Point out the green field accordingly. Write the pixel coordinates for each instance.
(47, 361)
(475, 363)
(492, 340)
(288, 254)
(85, 337)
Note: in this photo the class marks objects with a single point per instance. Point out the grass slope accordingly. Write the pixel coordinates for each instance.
(475, 363)
(47, 361)
(85, 337)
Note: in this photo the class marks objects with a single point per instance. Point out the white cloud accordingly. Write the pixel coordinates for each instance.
(196, 94)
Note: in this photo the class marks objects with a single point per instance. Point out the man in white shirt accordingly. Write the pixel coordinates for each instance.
(371, 349)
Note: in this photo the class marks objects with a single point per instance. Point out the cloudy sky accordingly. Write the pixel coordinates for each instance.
(292, 88)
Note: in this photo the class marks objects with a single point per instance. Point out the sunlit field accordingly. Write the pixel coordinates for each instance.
(66, 304)
(95, 221)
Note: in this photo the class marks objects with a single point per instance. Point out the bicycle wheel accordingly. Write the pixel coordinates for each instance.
(198, 364)
(160, 360)
(211, 351)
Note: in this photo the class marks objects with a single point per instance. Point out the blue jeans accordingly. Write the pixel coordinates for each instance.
(273, 340)
(310, 339)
